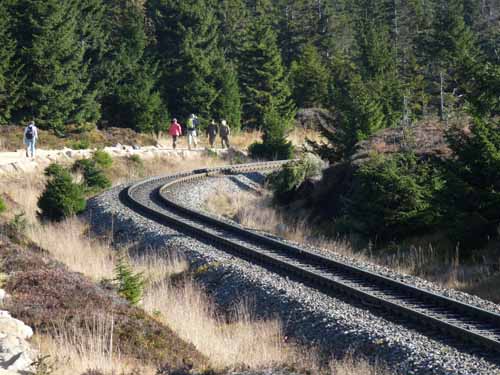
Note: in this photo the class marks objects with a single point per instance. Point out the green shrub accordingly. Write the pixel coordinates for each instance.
(93, 176)
(274, 145)
(137, 160)
(278, 150)
(82, 144)
(291, 176)
(3, 207)
(473, 184)
(95, 179)
(394, 196)
(130, 284)
(62, 197)
(102, 159)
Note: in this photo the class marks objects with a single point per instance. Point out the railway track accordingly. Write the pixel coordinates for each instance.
(452, 318)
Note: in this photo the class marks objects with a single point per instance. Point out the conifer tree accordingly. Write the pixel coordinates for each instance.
(9, 73)
(234, 18)
(132, 97)
(228, 103)
(262, 77)
(92, 23)
(303, 22)
(137, 103)
(56, 89)
(187, 47)
(309, 79)
(274, 143)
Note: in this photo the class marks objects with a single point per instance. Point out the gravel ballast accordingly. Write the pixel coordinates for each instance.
(307, 315)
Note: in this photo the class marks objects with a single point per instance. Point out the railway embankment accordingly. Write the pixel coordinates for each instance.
(337, 326)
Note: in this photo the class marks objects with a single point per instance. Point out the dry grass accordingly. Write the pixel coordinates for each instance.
(67, 243)
(256, 212)
(186, 309)
(193, 316)
(299, 135)
(23, 192)
(356, 366)
(73, 349)
(243, 139)
(125, 170)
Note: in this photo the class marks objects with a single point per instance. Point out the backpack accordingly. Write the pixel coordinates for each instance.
(30, 133)
(224, 130)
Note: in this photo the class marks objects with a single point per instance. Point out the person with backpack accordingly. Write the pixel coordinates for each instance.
(224, 132)
(175, 131)
(212, 133)
(30, 138)
(192, 126)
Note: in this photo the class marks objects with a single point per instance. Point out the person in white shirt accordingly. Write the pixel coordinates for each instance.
(30, 138)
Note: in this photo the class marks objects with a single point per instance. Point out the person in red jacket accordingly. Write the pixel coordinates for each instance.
(175, 131)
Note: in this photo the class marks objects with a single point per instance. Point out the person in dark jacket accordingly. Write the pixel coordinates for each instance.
(224, 132)
(212, 133)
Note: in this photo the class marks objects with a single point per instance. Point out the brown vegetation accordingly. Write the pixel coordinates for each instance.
(46, 294)
(419, 259)
(83, 326)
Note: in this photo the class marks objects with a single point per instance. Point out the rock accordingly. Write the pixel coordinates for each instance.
(3, 294)
(11, 326)
(15, 352)
(425, 139)
(8, 372)
(314, 118)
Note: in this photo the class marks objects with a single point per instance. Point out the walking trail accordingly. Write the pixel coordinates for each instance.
(17, 162)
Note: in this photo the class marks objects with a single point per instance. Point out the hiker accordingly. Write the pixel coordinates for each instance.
(224, 132)
(175, 131)
(30, 138)
(192, 126)
(212, 133)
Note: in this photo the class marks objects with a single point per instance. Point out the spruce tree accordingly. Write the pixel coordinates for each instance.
(94, 35)
(10, 78)
(56, 87)
(303, 22)
(137, 103)
(359, 114)
(376, 58)
(234, 18)
(262, 77)
(132, 98)
(309, 79)
(274, 143)
(228, 103)
(187, 48)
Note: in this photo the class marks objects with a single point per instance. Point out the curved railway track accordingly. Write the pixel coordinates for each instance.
(461, 321)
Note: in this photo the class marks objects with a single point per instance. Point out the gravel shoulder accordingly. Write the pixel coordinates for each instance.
(308, 316)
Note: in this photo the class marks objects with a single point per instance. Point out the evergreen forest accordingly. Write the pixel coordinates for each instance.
(374, 64)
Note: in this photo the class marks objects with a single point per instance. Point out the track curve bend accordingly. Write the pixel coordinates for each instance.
(461, 321)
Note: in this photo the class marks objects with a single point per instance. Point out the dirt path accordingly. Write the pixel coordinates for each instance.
(17, 162)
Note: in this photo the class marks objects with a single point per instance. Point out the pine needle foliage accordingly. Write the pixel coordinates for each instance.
(130, 284)
(62, 197)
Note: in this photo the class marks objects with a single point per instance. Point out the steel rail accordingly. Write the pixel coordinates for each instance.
(452, 317)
